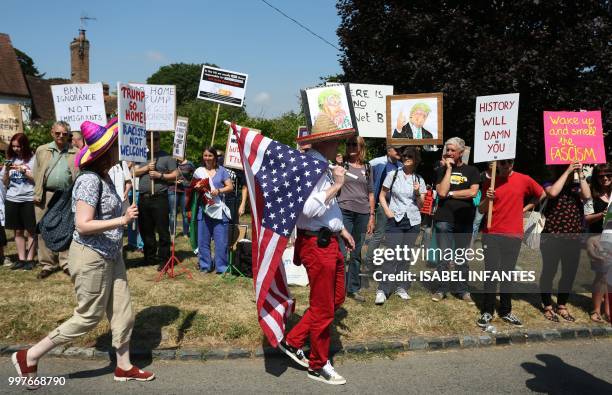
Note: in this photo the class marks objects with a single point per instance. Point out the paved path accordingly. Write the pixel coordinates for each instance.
(559, 367)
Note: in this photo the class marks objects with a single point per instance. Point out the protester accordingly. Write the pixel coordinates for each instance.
(562, 237)
(317, 248)
(502, 241)
(18, 179)
(407, 193)
(176, 195)
(3, 260)
(54, 170)
(95, 261)
(212, 217)
(595, 211)
(356, 201)
(485, 175)
(153, 205)
(76, 140)
(457, 184)
(381, 166)
(339, 160)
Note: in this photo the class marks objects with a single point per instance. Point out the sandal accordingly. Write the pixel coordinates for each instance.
(564, 313)
(596, 317)
(550, 315)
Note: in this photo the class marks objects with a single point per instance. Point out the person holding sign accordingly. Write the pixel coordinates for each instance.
(502, 241)
(95, 259)
(562, 242)
(595, 211)
(54, 170)
(457, 184)
(153, 205)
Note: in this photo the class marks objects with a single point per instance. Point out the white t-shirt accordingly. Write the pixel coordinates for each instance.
(20, 188)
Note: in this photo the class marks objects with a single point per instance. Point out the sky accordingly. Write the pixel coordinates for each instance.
(130, 40)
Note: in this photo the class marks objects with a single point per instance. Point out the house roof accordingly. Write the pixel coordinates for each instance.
(42, 99)
(12, 82)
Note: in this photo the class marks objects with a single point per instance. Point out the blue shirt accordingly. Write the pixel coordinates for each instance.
(380, 167)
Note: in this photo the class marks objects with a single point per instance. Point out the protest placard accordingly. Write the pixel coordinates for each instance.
(180, 138)
(232, 150)
(495, 127)
(573, 137)
(160, 102)
(132, 123)
(222, 86)
(10, 122)
(77, 103)
(370, 106)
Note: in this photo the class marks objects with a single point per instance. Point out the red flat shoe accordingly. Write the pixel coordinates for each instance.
(19, 359)
(133, 374)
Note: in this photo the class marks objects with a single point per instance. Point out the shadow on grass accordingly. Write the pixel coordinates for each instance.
(146, 336)
(555, 376)
(276, 364)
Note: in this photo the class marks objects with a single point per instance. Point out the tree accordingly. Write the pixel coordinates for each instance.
(27, 64)
(184, 75)
(557, 54)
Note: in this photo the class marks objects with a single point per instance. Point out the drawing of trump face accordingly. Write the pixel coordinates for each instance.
(330, 103)
(418, 114)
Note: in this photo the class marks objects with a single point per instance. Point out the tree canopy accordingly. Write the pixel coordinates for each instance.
(557, 54)
(27, 64)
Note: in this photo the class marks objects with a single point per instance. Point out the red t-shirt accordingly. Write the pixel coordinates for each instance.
(510, 194)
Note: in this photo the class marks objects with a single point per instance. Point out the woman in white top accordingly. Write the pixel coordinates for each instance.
(19, 203)
(212, 182)
(405, 190)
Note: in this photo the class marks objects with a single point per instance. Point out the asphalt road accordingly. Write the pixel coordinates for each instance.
(559, 367)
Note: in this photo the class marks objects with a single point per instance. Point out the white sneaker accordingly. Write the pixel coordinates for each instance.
(380, 297)
(327, 374)
(401, 292)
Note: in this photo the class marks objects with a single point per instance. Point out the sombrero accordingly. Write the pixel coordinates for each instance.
(98, 139)
(325, 130)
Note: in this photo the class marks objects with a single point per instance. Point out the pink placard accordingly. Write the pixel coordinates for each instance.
(573, 136)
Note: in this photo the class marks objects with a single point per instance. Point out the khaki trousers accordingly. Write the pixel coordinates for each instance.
(101, 287)
(48, 259)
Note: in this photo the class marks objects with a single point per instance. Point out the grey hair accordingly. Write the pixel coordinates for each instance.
(63, 124)
(457, 142)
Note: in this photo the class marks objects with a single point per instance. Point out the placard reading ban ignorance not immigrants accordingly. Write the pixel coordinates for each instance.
(77, 103)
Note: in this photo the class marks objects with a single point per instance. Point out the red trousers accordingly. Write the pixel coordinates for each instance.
(325, 268)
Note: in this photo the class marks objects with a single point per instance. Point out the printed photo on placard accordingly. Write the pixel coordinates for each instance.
(332, 101)
(414, 119)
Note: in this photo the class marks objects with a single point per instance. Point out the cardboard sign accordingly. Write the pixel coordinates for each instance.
(77, 103)
(415, 119)
(573, 136)
(180, 138)
(332, 101)
(495, 127)
(11, 122)
(370, 106)
(232, 157)
(465, 158)
(222, 86)
(160, 102)
(132, 123)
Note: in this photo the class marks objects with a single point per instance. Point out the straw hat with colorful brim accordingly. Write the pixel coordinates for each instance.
(98, 139)
(325, 130)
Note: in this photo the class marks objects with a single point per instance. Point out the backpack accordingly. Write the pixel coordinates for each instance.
(57, 225)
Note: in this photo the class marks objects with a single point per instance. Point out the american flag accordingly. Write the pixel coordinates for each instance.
(279, 180)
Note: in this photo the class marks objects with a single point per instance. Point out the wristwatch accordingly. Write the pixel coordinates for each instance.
(450, 194)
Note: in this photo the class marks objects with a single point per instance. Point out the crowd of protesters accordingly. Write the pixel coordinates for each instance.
(380, 204)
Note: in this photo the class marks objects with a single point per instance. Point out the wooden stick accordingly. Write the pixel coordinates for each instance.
(490, 212)
(152, 160)
(212, 142)
(134, 194)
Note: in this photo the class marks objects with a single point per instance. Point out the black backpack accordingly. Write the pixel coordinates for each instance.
(57, 225)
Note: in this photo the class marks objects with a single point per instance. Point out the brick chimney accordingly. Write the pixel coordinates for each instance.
(79, 59)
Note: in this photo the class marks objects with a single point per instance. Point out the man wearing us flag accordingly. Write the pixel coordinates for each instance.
(319, 228)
